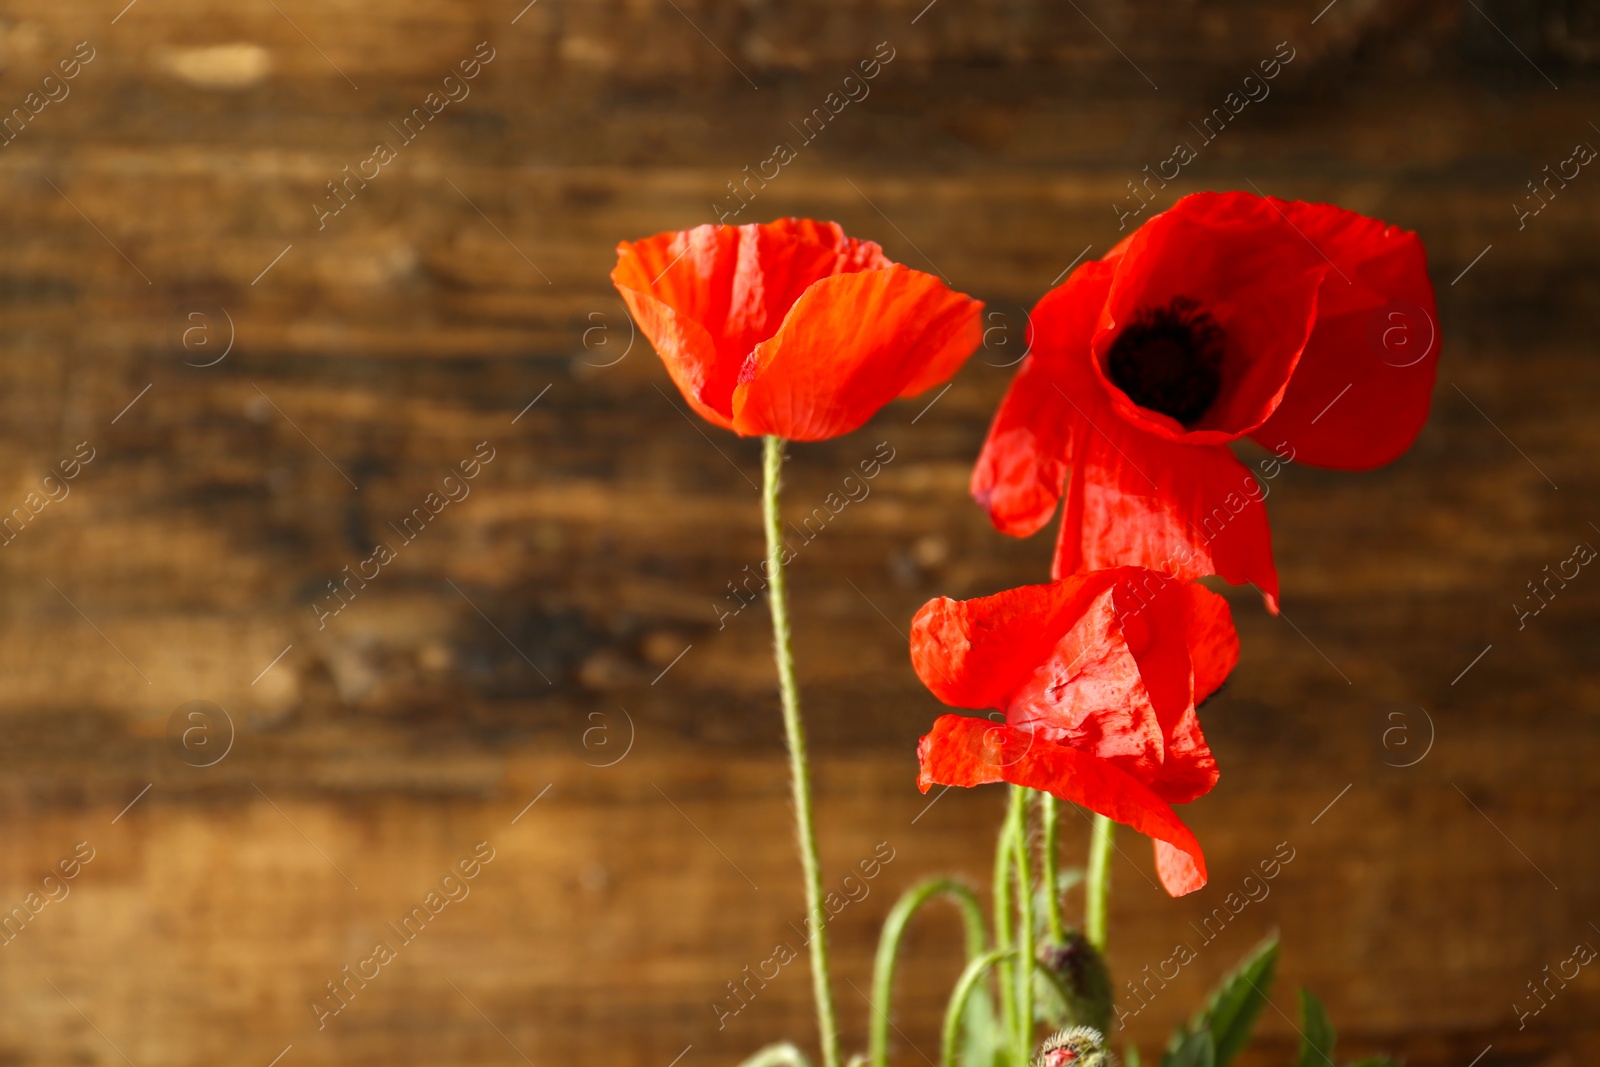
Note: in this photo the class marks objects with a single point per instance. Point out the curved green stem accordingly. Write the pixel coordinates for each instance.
(1025, 922)
(1097, 883)
(799, 772)
(970, 977)
(1050, 815)
(779, 1055)
(894, 929)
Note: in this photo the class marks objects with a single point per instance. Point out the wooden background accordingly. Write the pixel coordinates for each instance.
(525, 638)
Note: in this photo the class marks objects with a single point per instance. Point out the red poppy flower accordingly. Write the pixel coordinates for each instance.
(1303, 326)
(792, 328)
(1098, 677)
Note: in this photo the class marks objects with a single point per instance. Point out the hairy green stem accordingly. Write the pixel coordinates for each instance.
(799, 772)
(1050, 816)
(970, 977)
(894, 929)
(1025, 921)
(1097, 882)
(1002, 932)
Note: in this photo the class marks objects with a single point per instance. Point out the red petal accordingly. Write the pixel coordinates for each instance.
(1239, 257)
(1363, 387)
(1156, 621)
(1179, 871)
(849, 345)
(1021, 471)
(1092, 694)
(1099, 662)
(1213, 642)
(688, 353)
(706, 297)
(975, 653)
(966, 751)
(1184, 510)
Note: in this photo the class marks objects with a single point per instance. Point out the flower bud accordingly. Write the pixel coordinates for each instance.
(1081, 1046)
(1076, 991)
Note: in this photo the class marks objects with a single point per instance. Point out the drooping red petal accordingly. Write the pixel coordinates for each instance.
(1241, 261)
(849, 345)
(1022, 469)
(706, 297)
(1180, 872)
(1092, 694)
(1361, 392)
(1155, 622)
(1098, 662)
(966, 751)
(1189, 770)
(1185, 510)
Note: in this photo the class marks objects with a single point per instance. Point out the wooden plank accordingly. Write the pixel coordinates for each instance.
(587, 570)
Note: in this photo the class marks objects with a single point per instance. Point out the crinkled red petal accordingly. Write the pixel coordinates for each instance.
(1103, 663)
(966, 751)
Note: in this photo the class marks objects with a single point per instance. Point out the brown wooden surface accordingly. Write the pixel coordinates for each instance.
(473, 674)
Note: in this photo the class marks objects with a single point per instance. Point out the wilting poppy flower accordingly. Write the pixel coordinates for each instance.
(1097, 677)
(1303, 326)
(792, 328)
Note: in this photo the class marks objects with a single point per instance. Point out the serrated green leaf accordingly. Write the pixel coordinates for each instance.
(1194, 1050)
(1316, 1033)
(1230, 1013)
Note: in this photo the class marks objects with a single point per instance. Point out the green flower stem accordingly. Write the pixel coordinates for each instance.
(970, 977)
(799, 773)
(1050, 815)
(1002, 930)
(1025, 921)
(894, 929)
(1097, 883)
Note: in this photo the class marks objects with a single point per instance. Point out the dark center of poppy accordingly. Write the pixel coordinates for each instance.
(1169, 359)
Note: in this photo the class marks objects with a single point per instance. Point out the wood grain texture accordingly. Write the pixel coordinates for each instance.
(566, 612)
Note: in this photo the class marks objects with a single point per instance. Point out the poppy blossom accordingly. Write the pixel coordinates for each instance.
(792, 328)
(1097, 677)
(1305, 327)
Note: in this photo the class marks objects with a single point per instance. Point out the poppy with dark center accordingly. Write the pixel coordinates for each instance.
(791, 328)
(1308, 328)
(1170, 360)
(1097, 678)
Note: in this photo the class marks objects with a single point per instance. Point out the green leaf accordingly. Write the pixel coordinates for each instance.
(1130, 1056)
(1316, 1033)
(1376, 1061)
(1230, 1014)
(982, 1042)
(1195, 1050)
